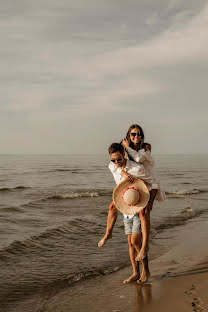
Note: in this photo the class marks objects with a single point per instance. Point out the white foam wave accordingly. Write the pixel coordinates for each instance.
(81, 194)
(75, 195)
(183, 192)
(99, 193)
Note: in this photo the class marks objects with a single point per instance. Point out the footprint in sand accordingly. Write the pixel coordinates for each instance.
(196, 302)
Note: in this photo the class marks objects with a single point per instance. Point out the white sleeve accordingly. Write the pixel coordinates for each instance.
(143, 174)
(137, 156)
(140, 155)
(114, 169)
(138, 171)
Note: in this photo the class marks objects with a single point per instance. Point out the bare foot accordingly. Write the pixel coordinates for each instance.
(141, 255)
(132, 278)
(104, 240)
(144, 277)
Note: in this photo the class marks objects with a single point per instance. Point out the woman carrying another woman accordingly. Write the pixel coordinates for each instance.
(140, 152)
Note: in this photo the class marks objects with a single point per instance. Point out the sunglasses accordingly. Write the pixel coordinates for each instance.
(134, 134)
(117, 159)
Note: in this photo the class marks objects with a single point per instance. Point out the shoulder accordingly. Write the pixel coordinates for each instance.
(130, 163)
(133, 164)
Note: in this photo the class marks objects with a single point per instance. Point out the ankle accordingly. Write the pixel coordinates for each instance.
(145, 248)
(108, 233)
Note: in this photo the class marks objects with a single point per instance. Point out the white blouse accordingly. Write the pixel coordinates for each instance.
(136, 170)
(145, 158)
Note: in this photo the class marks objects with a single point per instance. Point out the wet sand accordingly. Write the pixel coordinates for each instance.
(178, 282)
(184, 291)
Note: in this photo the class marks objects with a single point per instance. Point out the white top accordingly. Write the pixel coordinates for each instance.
(145, 158)
(136, 170)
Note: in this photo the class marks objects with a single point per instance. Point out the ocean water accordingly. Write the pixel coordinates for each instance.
(53, 212)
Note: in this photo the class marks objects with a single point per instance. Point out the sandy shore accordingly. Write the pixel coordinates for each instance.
(178, 282)
(185, 291)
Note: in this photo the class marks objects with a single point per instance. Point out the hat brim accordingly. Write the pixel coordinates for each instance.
(120, 204)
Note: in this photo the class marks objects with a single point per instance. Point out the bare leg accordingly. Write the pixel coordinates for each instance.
(134, 239)
(145, 222)
(145, 271)
(147, 293)
(111, 220)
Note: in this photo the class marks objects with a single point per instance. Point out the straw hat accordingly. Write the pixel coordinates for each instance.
(130, 198)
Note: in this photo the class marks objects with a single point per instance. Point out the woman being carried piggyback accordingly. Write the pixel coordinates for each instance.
(140, 152)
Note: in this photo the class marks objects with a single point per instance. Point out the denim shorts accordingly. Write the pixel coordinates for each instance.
(132, 225)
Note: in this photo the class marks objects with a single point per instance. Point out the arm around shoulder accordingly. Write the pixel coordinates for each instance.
(114, 168)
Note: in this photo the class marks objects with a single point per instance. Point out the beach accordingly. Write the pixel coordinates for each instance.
(53, 212)
(178, 282)
(186, 291)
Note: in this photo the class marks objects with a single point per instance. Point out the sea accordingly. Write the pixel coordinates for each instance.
(53, 211)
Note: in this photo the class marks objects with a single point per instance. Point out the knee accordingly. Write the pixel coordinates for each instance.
(134, 242)
(130, 242)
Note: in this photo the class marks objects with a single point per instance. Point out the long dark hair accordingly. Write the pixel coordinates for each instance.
(141, 143)
(134, 126)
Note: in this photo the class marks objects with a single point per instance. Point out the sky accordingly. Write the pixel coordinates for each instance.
(75, 74)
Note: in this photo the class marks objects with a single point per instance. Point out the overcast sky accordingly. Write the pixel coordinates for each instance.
(75, 74)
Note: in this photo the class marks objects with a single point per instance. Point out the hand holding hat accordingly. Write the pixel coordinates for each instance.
(130, 198)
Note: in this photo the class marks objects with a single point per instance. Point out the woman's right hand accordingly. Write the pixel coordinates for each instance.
(127, 176)
(148, 147)
(125, 143)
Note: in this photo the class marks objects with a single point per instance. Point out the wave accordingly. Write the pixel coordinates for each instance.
(76, 277)
(79, 194)
(78, 225)
(10, 209)
(73, 227)
(17, 292)
(8, 189)
(74, 170)
(185, 192)
(68, 232)
(174, 221)
(100, 193)
(68, 196)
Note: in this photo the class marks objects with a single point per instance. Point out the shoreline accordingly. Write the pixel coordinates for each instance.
(184, 292)
(178, 282)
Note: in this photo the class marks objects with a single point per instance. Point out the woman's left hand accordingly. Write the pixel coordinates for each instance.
(148, 147)
(147, 209)
(125, 143)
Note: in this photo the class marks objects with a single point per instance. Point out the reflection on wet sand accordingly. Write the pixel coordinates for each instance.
(143, 296)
